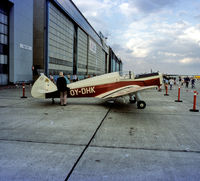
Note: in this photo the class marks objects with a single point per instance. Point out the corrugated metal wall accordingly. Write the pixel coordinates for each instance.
(96, 59)
(92, 57)
(100, 61)
(60, 42)
(82, 49)
(115, 64)
(4, 24)
(71, 49)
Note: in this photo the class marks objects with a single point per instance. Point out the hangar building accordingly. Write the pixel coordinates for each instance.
(49, 36)
(64, 40)
(16, 40)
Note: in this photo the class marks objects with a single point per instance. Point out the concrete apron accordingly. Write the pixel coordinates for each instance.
(91, 140)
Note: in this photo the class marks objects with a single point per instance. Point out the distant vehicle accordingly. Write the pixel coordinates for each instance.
(197, 77)
(108, 87)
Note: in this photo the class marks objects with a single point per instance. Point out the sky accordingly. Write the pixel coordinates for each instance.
(157, 35)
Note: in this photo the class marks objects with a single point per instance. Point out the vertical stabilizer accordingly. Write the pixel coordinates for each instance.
(41, 86)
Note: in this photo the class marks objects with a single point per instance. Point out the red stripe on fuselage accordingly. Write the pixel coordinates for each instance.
(93, 91)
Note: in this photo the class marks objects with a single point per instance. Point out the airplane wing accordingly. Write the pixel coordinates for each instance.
(124, 91)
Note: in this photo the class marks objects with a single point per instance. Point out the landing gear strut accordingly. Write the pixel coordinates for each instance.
(137, 98)
(132, 100)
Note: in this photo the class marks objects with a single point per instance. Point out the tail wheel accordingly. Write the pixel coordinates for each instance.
(133, 100)
(141, 104)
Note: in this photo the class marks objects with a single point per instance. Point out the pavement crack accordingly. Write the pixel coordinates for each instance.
(156, 113)
(148, 149)
(39, 142)
(86, 147)
(97, 146)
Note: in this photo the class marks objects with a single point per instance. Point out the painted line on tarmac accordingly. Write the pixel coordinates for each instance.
(86, 147)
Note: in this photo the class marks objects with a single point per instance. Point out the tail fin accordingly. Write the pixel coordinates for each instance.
(41, 86)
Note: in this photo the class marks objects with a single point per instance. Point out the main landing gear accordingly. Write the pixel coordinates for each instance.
(140, 104)
(132, 100)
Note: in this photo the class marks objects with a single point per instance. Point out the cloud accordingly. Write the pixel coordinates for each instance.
(172, 38)
(127, 9)
(146, 7)
(166, 28)
(98, 12)
(191, 33)
(94, 8)
(190, 61)
(167, 47)
(140, 47)
(161, 35)
(197, 17)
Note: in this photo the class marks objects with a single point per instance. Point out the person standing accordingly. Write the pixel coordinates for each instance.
(171, 82)
(180, 80)
(193, 83)
(75, 78)
(166, 82)
(62, 88)
(187, 80)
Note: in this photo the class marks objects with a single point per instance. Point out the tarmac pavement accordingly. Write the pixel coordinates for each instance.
(91, 140)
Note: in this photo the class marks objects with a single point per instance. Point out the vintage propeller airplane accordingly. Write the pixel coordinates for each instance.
(108, 87)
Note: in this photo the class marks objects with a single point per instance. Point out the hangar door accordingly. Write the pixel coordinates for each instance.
(92, 57)
(82, 46)
(60, 42)
(101, 60)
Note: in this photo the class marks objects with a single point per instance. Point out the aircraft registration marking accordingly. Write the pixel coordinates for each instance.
(83, 91)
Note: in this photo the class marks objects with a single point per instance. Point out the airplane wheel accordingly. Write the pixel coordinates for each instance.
(132, 101)
(141, 104)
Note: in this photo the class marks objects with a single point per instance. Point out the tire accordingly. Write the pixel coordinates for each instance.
(132, 101)
(141, 104)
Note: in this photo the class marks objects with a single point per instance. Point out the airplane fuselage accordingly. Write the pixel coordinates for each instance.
(99, 90)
